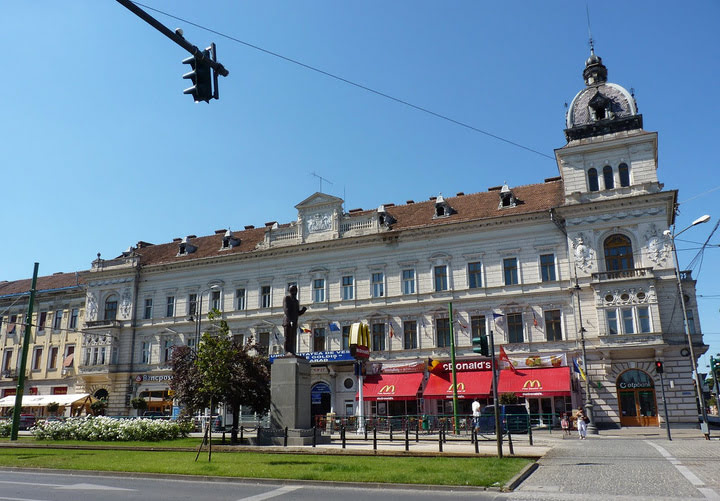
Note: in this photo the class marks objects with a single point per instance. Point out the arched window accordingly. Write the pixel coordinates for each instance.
(624, 172)
(111, 305)
(593, 180)
(618, 253)
(608, 177)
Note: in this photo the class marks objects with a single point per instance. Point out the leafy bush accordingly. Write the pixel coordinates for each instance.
(139, 403)
(101, 428)
(5, 427)
(508, 398)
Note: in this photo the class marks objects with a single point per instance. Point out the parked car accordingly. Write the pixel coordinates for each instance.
(27, 421)
(512, 417)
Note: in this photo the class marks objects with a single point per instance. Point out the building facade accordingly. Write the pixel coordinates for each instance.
(540, 266)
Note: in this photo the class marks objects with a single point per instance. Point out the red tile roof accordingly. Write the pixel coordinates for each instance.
(56, 281)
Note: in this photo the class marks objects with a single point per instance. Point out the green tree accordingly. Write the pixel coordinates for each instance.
(221, 371)
(139, 403)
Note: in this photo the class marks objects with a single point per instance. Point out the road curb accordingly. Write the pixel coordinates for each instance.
(520, 477)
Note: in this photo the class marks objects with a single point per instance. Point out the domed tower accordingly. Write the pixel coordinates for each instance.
(608, 154)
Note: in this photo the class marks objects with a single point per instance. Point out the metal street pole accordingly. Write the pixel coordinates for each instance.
(23, 360)
(454, 374)
(667, 418)
(496, 402)
(591, 427)
(693, 361)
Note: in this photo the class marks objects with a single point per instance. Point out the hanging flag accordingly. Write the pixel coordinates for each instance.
(305, 329)
(535, 322)
(504, 358)
(498, 318)
(461, 324)
(578, 369)
(392, 331)
(334, 327)
(277, 339)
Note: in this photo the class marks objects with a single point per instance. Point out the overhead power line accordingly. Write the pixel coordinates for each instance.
(350, 82)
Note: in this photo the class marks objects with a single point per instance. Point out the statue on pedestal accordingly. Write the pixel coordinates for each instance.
(292, 310)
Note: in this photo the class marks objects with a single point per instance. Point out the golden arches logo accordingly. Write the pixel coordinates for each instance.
(460, 388)
(387, 389)
(532, 383)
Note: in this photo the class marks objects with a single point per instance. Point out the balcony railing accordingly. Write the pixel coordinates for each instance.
(606, 276)
(102, 323)
(9, 373)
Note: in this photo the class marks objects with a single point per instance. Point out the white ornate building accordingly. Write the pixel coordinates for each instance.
(526, 262)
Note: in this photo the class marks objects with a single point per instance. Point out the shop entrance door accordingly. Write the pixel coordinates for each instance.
(636, 399)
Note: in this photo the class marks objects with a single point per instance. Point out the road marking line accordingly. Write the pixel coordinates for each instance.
(21, 499)
(271, 494)
(28, 483)
(685, 472)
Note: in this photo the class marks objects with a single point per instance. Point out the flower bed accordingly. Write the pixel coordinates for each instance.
(103, 428)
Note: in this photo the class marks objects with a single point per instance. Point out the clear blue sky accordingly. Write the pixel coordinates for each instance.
(100, 148)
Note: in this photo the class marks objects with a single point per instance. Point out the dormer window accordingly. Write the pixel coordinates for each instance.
(599, 107)
(442, 208)
(507, 198)
(229, 241)
(384, 218)
(186, 248)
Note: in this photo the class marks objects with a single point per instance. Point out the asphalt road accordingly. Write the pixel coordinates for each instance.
(620, 468)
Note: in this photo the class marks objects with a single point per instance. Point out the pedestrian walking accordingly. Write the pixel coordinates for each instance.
(582, 421)
(476, 414)
(565, 424)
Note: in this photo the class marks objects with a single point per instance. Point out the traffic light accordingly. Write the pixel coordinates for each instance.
(715, 366)
(658, 366)
(201, 77)
(480, 344)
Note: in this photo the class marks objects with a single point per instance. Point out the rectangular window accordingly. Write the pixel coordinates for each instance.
(410, 337)
(42, 320)
(215, 301)
(192, 304)
(7, 356)
(101, 358)
(263, 344)
(474, 275)
(12, 325)
(627, 320)
(478, 326)
(553, 326)
(69, 359)
(510, 270)
(37, 358)
(515, 328)
(145, 356)
(167, 350)
(442, 327)
(547, 267)
(611, 317)
(690, 321)
(319, 290)
(265, 296)
(441, 278)
(148, 308)
(378, 284)
(74, 313)
(348, 287)
(643, 313)
(378, 337)
(408, 281)
(345, 337)
(319, 339)
(52, 357)
(240, 299)
(170, 310)
(57, 320)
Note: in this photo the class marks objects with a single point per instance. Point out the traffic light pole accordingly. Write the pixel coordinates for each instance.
(667, 417)
(178, 39)
(454, 374)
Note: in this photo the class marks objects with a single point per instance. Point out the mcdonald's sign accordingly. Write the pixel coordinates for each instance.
(360, 340)
(532, 384)
(460, 388)
(388, 389)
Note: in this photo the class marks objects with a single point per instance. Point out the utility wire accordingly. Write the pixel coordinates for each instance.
(350, 82)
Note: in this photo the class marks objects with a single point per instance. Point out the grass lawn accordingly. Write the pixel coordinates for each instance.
(411, 470)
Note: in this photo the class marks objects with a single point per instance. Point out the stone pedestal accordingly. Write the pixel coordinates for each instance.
(290, 403)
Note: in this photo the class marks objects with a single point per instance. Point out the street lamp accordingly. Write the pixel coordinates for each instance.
(591, 427)
(693, 361)
(198, 320)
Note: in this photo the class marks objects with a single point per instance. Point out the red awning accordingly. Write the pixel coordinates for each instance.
(392, 386)
(551, 382)
(470, 384)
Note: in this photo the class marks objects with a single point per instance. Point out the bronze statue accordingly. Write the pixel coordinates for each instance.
(292, 310)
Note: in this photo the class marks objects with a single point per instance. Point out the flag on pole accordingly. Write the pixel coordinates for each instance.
(305, 329)
(392, 331)
(578, 369)
(334, 327)
(504, 358)
(498, 318)
(535, 322)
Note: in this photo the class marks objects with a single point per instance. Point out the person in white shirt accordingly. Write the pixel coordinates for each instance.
(476, 413)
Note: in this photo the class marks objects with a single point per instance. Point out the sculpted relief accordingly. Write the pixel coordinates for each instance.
(658, 245)
(319, 222)
(584, 255)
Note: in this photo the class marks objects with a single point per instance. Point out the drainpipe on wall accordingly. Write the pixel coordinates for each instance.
(138, 269)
